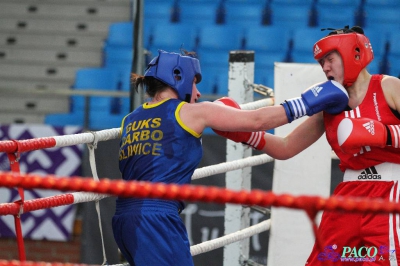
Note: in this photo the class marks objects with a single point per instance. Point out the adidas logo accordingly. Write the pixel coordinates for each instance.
(370, 127)
(369, 173)
(317, 50)
(316, 90)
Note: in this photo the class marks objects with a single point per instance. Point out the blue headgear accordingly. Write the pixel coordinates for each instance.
(177, 71)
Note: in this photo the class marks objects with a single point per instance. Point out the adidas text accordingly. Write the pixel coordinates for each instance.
(369, 176)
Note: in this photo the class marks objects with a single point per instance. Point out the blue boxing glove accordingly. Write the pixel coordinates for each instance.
(329, 96)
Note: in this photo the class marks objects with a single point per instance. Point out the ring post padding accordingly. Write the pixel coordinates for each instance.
(241, 68)
(308, 173)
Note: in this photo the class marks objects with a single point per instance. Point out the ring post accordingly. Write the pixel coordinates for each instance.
(241, 68)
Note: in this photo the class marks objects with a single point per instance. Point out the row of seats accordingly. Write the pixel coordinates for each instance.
(212, 42)
(285, 13)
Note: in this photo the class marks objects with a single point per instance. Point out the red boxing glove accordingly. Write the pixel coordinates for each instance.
(253, 139)
(354, 133)
(228, 101)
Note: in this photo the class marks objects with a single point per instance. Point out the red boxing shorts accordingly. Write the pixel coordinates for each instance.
(362, 238)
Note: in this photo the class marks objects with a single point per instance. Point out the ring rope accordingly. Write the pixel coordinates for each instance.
(79, 197)
(230, 238)
(187, 192)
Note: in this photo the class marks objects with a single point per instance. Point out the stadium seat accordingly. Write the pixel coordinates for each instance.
(120, 34)
(264, 67)
(220, 37)
(118, 57)
(381, 18)
(326, 19)
(342, 3)
(380, 3)
(214, 68)
(266, 39)
(290, 16)
(173, 37)
(378, 39)
(104, 111)
(394, 40)
(303, 42)
(158, 12)
(244, 14)
(394, 64)
(374, 66)
(295, 2)
(215, 80)
(198, 13)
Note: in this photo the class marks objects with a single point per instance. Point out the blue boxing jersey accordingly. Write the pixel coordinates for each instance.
(157, 146)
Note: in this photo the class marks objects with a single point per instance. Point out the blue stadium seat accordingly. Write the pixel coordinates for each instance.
(156, 11)
(343, 3)
(220, 37)
(95, 78)
(374, 66)
(73, 118)
(120, 34)
(118, 57)
(264, 67)
(327, 18)
(214, 68)
(295, 2)
(303, 42)
(394, 40)
(378, 39)
(382, 18)
(244, 14)
(290, 16)
(198, 13)
(215, 80)
(394, 63)
(266, 39)
(173, 37)
(380, 3)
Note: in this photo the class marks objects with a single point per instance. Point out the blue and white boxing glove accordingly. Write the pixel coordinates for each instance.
(329, 96)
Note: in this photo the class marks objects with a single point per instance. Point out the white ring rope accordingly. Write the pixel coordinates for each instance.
(80, 197)
(257, 104)
(230, 166)
(85, 138)
(231, 238)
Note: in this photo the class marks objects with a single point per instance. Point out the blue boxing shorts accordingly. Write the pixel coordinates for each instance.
(151, 232)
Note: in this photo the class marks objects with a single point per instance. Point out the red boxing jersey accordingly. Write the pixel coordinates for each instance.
(373, 106)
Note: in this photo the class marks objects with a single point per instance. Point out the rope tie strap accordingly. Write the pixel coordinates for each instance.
(92, 160)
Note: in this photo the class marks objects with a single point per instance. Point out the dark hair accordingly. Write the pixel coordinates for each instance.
(152, 85)
(346, 29)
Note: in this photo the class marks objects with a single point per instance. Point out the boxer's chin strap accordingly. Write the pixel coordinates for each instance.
(92, 160)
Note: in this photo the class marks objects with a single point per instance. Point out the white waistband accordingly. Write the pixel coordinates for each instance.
(380, 172)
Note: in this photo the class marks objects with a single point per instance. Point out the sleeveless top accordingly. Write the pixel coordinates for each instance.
(373, 106)
(157, 146)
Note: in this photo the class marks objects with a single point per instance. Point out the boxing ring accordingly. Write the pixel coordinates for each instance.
(287, 195)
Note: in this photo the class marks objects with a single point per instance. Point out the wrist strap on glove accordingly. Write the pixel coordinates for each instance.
(294, 108)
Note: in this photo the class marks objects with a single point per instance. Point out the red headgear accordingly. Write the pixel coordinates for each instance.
(354, 48)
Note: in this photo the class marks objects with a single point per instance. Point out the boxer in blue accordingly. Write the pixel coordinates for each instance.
(161, 142)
